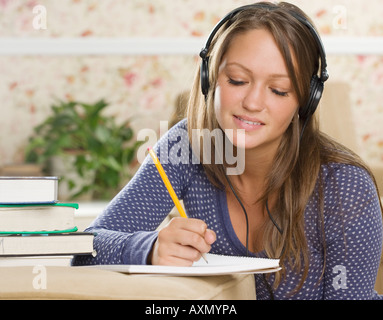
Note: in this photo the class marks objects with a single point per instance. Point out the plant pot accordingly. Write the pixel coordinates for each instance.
(21, 169)
(63, 167)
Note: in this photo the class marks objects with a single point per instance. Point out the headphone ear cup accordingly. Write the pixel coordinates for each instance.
(316, 90)
(204, 74)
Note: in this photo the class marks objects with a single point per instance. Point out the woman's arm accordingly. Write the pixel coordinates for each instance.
(353, 236)
(126, 230)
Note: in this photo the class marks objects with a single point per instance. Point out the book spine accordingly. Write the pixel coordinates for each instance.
(56, 204)
(5, 233)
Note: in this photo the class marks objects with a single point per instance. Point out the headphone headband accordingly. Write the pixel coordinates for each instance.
(231, 14)
(317, 83)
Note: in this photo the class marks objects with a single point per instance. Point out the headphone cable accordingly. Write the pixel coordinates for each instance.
(244, 211)
(268, 286)
(247, 218)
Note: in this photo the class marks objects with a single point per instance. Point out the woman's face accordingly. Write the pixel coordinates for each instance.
(254, 91)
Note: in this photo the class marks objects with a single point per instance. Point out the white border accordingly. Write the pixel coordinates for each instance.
(160, 46)
(100, 46)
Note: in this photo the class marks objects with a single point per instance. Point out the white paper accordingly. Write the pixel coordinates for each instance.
(217, 265)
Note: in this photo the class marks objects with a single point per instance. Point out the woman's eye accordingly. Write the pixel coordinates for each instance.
(235, 82)
(279, 93)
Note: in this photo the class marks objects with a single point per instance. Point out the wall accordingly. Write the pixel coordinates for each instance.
(144, 86)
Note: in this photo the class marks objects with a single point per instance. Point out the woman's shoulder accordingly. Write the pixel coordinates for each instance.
(347, 175)
(349, 188)
(181, 125)
(350, 199)
(175, 153)
(174, 146)
(177, 134)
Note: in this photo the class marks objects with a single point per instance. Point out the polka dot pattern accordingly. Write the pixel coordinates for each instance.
(350, 250)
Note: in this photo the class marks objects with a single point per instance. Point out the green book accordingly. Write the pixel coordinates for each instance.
(37, 218)
(46, 244)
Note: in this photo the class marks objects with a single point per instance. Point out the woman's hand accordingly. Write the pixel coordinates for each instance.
(181, 242)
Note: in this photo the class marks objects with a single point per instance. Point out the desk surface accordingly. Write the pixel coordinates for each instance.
(54, 282)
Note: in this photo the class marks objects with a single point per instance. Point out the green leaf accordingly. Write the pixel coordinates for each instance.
(102, 134)
(83, 127)
(112, 163)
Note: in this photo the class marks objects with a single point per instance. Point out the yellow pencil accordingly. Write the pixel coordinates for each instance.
(168, 186)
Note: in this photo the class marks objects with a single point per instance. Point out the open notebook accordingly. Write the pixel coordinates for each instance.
(218, 265)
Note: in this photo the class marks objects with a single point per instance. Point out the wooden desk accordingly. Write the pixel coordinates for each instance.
(55, 282)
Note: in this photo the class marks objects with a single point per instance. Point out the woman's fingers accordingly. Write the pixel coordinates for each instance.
(182, 242)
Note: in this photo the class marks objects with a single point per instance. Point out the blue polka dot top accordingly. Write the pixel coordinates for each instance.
(126, 229)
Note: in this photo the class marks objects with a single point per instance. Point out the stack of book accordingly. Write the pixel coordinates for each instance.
(33, 223)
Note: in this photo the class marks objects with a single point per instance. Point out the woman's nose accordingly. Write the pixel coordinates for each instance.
(255, 98)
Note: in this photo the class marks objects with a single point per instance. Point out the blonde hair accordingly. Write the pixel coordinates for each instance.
(180, 106)
(296, 166)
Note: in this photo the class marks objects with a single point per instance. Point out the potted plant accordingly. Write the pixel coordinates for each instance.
(99, 147)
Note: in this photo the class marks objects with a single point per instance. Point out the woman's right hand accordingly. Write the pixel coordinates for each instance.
(181, 242)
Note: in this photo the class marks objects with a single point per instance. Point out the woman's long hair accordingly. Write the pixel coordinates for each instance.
(295, 171)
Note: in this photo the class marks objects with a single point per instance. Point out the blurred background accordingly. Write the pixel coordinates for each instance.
(139, 56)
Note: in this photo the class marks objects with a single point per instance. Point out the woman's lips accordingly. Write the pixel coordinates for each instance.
(247, 123)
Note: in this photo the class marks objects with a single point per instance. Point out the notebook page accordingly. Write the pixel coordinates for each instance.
(223, 260)
(218, 265)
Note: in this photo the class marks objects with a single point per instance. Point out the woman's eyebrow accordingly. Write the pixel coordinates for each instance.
(271, 76)
(279, 75)
(238, 65)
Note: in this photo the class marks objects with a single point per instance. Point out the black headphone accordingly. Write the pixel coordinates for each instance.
(316, 83)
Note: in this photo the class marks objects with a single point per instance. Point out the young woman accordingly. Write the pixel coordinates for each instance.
(300, 197)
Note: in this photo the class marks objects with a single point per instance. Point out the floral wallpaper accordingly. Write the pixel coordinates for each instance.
(144, 88)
